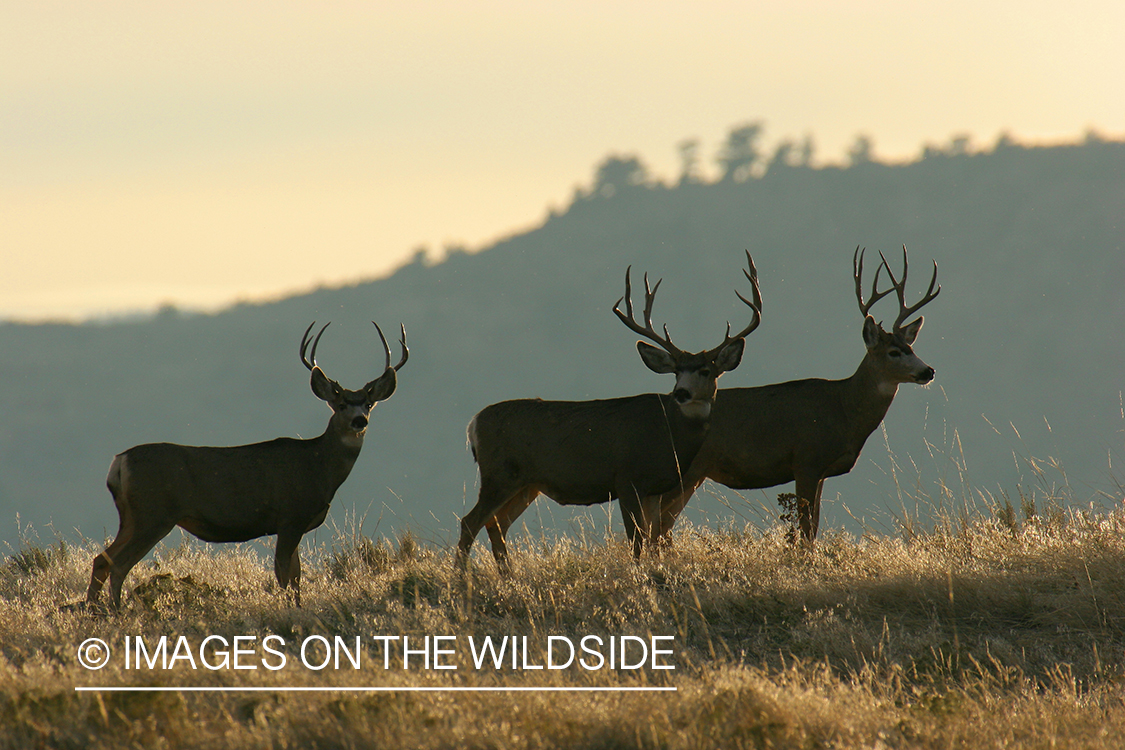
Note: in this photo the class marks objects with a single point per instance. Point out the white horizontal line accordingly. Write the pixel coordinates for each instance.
(130, 689)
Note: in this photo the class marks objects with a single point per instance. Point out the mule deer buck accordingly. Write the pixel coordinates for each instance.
(234, 494)
(807, 430)
(588, 452)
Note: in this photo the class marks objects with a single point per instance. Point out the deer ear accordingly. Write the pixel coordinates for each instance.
(871, 331)
(730, 355)
(657, 360)
(910, 332)
(383, 386)
(324, 388)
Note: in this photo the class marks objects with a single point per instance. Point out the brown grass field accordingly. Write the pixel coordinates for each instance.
(990, 628)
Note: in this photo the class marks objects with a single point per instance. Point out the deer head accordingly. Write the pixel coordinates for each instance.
(696, 374)
(891, 352)
(351, 410)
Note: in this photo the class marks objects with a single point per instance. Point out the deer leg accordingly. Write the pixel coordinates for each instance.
(499, 524)
(103, 562)
(816, 507)
(295, 576)
(671, 509)
(473, 521)
(650, 520)
(632, 515)
(122, 558)
(630, 523)
(287, 563)
(808, 505)
(641, 518)
(492, 497)
(499, 546)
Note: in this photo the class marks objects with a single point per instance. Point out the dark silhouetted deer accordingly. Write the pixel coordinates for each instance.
(804, 431)
(237, 493)
(585, 452)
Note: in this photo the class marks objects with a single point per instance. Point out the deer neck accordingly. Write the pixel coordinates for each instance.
(685, 429)
(338, 449)
(868, 396)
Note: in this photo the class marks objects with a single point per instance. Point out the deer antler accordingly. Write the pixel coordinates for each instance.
(752, 276)
(311, 361)
(900, 289)
(630, 321)
(387, 349)
(876, 295)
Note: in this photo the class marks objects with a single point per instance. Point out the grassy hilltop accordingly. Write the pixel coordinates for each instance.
(998, 628)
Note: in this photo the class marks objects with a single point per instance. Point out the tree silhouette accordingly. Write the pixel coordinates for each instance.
(959, 145)
(861, 151)
(805, 152)
(783, 156)
(737, 156)
(689, 160)
(1004, 140)
(617, 173)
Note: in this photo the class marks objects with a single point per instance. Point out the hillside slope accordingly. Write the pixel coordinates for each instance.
(1026, 338)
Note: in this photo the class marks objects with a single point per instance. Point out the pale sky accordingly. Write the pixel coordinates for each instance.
(203, 152)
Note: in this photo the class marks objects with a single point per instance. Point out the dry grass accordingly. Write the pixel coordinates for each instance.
(998, 630)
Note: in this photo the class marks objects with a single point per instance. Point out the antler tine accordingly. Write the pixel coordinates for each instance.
(405, 349)
(628, 295)
(752, 276)
(630, 320)
(876, 295)
(387, 349)
(900, 289)
(310, 362)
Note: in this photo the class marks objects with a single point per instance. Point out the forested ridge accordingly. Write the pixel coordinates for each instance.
(1026, 337)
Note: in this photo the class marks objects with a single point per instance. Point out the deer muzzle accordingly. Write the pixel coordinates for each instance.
(692, 408)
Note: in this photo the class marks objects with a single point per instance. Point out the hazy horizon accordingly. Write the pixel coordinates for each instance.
(202, 155)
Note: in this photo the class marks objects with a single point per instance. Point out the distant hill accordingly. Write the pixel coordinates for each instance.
(1026, 337)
